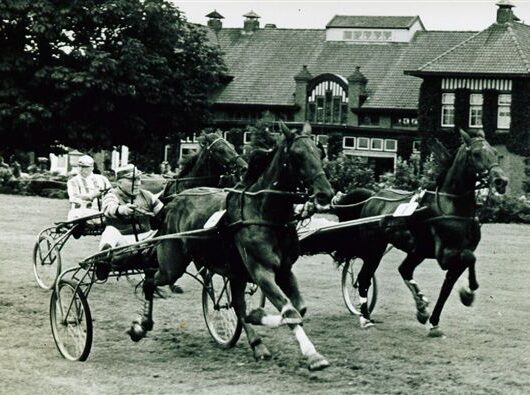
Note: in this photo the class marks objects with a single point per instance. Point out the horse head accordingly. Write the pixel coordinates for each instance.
(484, 159)
(214, 146)
(304, 161)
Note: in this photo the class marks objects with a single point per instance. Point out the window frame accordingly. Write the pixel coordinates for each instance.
(394, 141)
(359, 139)
(476, 110)
(449, 106)
(353, 146)
(374, 140)
(503, 106)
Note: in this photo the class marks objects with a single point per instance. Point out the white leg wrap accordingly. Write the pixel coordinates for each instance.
(288, 306)
(272, 321)
(306, 346)
(363, 300)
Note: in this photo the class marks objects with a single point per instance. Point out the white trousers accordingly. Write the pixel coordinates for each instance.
(113, 238)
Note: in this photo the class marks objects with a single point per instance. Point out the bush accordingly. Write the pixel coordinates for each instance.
(505, 209)
(349, 172)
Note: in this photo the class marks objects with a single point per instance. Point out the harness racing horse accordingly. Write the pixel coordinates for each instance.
(256, 242)
(216, 164)
(445, 229)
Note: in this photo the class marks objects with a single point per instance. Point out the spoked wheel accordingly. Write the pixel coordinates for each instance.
(46, 262)
(350, 288)
(71, 321)
(220, 316)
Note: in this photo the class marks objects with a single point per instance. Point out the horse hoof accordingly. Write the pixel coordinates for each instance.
(366, 322)
(291, 316)
(467, 297)
(435, 331)
(136, 332)
(255, 317)
(147, 325)
(316, 362)
(302, 310)
(422, 316)
(261, 353)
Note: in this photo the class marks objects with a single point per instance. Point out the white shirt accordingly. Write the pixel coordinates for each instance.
(80, 188)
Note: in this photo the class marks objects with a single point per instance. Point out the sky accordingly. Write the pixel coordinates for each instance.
(435, 14)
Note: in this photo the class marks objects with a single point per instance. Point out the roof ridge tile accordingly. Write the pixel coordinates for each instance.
(513, 36)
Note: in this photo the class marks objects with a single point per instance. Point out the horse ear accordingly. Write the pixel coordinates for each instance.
(465, 137)
(285, 130)
(440, 152)
(307, 128)
(219, 133)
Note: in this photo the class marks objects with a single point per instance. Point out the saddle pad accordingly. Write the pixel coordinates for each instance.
(214, 219)
(405, 209)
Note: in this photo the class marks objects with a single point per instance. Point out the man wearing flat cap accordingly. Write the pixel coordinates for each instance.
(128, 210)
(85, 188)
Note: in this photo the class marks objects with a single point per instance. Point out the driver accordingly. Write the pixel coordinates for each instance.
(128, 210)
(85, 188)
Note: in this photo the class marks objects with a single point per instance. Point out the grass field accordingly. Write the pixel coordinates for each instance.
(486, 350)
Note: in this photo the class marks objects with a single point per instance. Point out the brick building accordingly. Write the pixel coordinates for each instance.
(360, 77)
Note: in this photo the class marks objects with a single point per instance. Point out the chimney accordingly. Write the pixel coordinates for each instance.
(214, 21)
(504, 12)
(251, 23)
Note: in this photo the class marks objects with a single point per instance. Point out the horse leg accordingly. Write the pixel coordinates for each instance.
(368, 269)
(238, 302)
(265, 278)
(406, 269)
(453, 273)
(467, 295)
(288, 283)
(141, 326)
(169, 258)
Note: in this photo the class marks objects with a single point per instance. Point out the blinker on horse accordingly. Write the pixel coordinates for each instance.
(217, 164)
(446, 229)
(256, 241)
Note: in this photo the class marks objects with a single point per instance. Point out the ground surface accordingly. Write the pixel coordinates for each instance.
(486, 350)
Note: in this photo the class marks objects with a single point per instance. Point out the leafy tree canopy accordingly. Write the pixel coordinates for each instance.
(97, 73)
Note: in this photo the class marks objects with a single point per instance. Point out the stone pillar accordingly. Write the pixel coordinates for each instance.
(300, 95)
(356, 91)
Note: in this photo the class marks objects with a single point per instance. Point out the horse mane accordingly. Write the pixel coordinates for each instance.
(258, 161)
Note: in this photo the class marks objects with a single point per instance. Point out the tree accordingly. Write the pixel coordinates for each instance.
(98, 73)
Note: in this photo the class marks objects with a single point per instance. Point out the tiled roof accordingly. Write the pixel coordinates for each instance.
(376, 22)
(263, 64)
(500, 49)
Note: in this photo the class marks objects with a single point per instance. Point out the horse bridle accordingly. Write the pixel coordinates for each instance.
(208, 151)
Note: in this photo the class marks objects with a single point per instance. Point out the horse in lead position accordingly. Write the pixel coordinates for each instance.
(446, 229)
(256, 239)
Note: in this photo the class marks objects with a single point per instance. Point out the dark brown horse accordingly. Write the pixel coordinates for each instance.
(217, 164)
(445, 229)
(257, 240)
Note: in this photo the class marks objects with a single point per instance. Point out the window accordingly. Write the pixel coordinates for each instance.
(416, 146)
(391, 145)
(448, 109)
(347, 35)
(503, 111)
(475, 110)
(363, 143)
(247, 138)
(377, 144)
(348, 142)
(405, 122)
(328, 103)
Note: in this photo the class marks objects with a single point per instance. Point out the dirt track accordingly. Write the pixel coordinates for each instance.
(486, 350)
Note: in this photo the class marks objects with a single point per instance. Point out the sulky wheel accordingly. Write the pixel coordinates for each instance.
(220, 316)
(350, 287)
(46, 262)
(71, 321)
